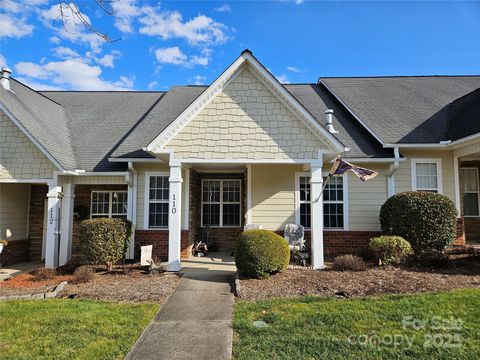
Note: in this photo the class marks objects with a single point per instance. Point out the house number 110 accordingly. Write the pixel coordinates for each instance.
(174, 208)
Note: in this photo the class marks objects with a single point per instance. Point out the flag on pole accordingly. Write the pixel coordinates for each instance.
(341, 166)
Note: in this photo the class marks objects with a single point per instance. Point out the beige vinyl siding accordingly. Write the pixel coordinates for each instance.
(273, 195)
(14, 201)
(98, 180)
(142, 169)
(19, 157)
(403, 176)
(366, 198)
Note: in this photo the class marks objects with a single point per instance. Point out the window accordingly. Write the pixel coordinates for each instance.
(470, 191)
(157, 200)
(334, 209)
(426, 175)
(109, 204)
(221, 202)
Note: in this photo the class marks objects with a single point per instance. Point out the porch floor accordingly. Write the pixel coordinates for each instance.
(10, 271)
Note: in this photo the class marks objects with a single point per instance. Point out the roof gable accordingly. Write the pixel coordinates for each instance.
(245, 59)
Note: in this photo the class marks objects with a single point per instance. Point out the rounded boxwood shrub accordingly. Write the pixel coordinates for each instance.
(428, 221)
(104, 241)
(390, 249)
(259, 253)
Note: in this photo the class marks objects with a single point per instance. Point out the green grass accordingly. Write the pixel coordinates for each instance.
(70, 329)
(319, 328)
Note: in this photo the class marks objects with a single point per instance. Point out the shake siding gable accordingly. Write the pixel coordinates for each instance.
(19, 157)
(246, 121)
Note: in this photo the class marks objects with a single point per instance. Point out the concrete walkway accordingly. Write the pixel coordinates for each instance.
(10, 271)
(196, 320)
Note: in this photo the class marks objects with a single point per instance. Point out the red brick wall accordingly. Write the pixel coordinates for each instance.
(38, 195)
(159, 240)
(462, 225)
(16, 251)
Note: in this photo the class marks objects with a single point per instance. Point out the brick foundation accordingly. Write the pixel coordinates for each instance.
(16, 251)
(159, 240)
(461, 230)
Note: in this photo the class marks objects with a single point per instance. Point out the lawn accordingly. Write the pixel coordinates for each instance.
(71, 329)
(367, 328)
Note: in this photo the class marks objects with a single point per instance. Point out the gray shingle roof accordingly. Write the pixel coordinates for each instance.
(403, 109)
(316, 99)
(98, 121)
(165, 111)
(465, 115)
(43, 119)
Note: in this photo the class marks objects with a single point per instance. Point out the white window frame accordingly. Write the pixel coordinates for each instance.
(221, 203)
(147, 201)
(472, 192)
(346, 219)
(436, 161)
(110, 202)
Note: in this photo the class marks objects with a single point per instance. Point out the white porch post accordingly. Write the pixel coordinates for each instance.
(53, 226)
(66, 224)
(132, 208)
(316, 185)
(174, 216)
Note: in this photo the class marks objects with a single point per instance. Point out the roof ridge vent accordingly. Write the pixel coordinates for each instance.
(329, 121)
(5, 79)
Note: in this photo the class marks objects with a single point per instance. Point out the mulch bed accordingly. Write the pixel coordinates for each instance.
(461, 272)
(130, 283)
(133, 286)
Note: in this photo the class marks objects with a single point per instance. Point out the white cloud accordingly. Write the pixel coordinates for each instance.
(199, 79)
(106, 60)
(70, 74)
(283, 79)
(13, 26)
(3, 61)
(125, 12)
(224, 8)
(37, 85)
(170, 25)
(63, 52)
(153, 84)
(173, 55)
(72, 29)
(55, 40)
(293, 69)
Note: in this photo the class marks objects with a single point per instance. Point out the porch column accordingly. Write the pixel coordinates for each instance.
(53, 225)
(316, 213)
(66, 224)
(174, 216)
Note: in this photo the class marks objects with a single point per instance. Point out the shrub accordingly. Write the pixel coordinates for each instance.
(104, 241)
(390, 249)
(82, 275)
(428, 221)
(42, 274)
(349, 262)
(259, 253)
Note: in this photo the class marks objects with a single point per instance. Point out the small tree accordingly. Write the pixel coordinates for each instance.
(104, 241)
(428, 221)
(390, 249)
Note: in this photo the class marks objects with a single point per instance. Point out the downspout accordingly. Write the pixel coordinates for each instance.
(393, 169)
(132, 194)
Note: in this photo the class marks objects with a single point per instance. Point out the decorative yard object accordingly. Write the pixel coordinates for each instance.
(259, 253)
(295, 235)
(104, 241)
(428, 221)
(146, 254)
(154, 268)
(390, 249)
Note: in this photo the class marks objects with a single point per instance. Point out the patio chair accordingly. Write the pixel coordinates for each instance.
(294, 234)
(212, 245)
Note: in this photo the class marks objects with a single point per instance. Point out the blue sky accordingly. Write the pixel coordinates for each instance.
(167, 43)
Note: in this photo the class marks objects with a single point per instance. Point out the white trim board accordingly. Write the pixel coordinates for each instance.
(220, 83)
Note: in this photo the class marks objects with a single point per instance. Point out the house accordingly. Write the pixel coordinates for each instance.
(245, 149)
